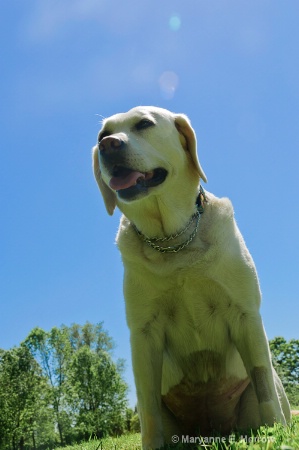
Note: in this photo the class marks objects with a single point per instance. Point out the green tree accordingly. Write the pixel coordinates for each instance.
(87, 394)
(93, 336)
(21, 398)
(53, 352)
(135, 424)
(132, 421)
(285, 356)
(100, 394)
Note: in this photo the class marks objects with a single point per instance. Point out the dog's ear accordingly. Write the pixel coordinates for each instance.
(188, 141)
(107, 193)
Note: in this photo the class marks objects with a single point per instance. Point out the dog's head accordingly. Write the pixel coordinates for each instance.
(142, 151)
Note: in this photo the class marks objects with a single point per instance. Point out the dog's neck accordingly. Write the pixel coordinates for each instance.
(157, 217)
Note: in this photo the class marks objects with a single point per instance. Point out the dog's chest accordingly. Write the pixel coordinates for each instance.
(194, 315)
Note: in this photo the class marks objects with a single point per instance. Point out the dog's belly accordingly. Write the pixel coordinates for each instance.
(205, 407)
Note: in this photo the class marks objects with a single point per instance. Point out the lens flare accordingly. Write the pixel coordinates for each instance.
(175, 23)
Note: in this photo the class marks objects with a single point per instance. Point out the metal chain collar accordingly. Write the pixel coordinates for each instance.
(152, 242)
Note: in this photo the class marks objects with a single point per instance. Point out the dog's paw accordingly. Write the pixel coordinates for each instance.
(270, 414)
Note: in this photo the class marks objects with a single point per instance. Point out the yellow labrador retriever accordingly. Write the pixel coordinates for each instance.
(200, 354)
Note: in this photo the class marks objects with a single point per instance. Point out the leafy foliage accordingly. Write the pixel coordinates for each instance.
(53, 351)
(99, 399)
(60, 387)
(285, 357)
(22, 397)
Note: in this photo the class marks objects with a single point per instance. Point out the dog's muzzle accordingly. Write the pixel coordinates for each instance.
(129, 183)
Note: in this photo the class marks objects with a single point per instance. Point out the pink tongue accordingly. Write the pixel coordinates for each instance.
(125, 181)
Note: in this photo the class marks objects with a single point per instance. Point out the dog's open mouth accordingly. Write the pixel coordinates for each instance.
(124, 179)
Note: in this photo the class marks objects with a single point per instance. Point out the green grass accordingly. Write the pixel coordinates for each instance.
(125, 442)
(274, 438)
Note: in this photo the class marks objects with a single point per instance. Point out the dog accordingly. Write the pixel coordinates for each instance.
(200, 355)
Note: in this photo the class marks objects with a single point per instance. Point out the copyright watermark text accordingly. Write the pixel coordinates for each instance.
(209, 440)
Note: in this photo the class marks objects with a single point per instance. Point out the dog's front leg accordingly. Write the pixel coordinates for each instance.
(147, 356)
(251, 341)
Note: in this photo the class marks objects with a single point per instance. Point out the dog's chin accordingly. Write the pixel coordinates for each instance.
(143, 186)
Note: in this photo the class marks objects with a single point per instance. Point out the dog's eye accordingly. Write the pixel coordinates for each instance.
(144, 123)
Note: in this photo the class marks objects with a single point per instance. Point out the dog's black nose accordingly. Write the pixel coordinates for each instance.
(110, 144)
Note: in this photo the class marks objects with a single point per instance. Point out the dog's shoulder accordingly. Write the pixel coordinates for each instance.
(219, 207)
(218, 219)
(219, 229)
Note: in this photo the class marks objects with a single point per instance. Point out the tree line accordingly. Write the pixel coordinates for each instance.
(61, 387)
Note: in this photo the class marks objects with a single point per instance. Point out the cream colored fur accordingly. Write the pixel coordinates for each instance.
(199, 349)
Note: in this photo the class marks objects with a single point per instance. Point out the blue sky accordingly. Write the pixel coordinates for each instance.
(231, 66)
